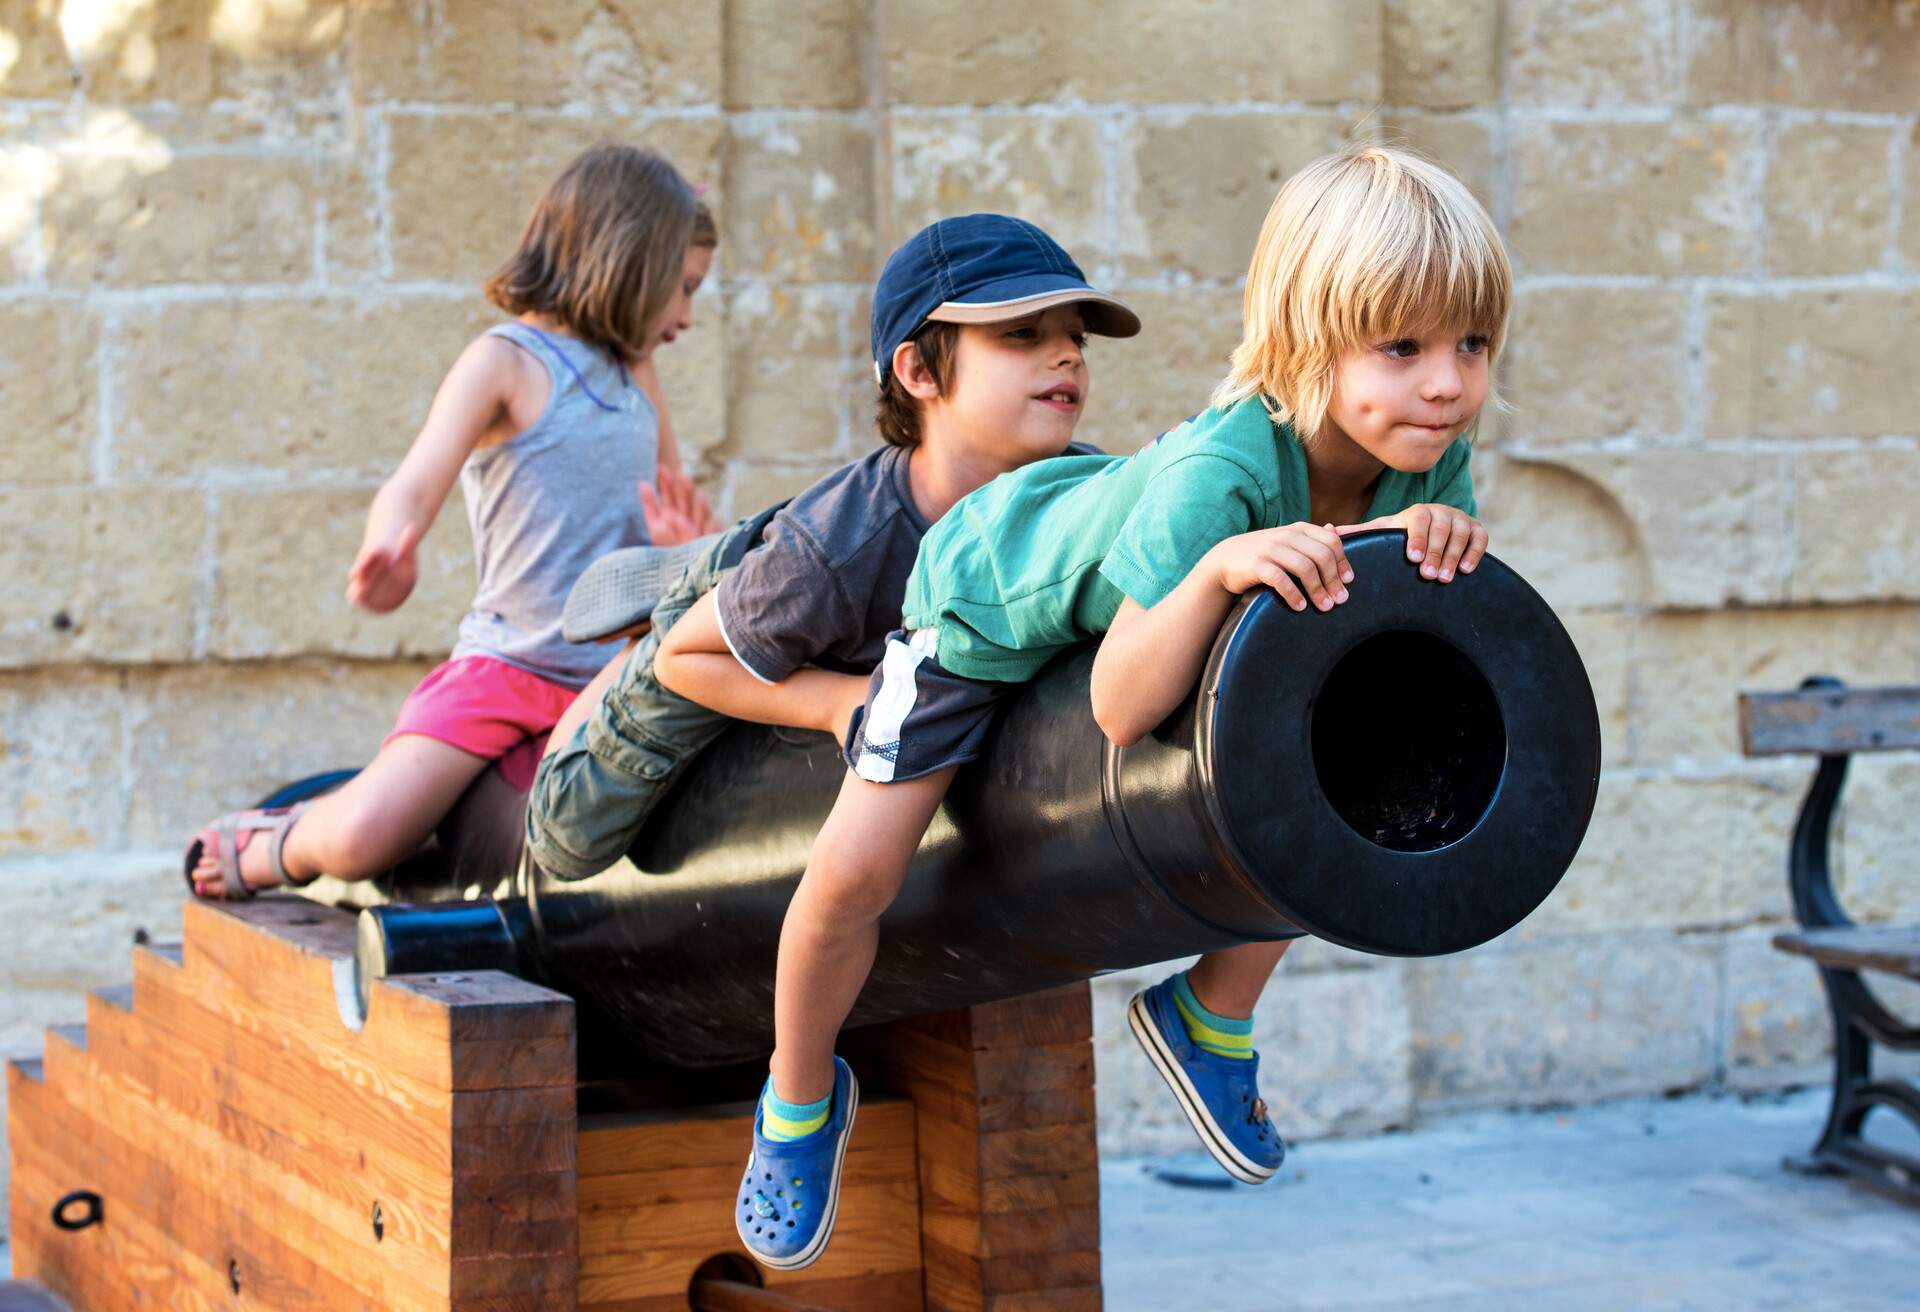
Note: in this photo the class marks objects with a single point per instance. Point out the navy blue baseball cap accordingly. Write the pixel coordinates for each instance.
(982, 268)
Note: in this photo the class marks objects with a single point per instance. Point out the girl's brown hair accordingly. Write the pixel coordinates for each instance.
(605, 246)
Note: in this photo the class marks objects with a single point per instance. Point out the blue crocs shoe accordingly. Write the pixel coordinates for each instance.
(791, 1191)
(1220, 1095)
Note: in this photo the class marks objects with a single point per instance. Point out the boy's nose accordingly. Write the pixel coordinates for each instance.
(1442, 381)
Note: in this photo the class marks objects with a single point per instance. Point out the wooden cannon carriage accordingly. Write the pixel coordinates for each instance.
(223, 1139)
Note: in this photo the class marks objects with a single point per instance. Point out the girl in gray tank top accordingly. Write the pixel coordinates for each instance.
(552, 500)
(550, 423)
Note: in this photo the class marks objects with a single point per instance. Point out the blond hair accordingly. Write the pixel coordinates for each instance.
(604, 248)
(1365, 246)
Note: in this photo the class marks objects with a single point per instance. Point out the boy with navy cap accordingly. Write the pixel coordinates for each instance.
(977, 335)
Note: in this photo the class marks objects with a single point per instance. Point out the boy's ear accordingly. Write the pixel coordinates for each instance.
(912, 372)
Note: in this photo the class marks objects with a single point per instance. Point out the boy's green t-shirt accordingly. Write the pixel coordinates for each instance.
(1038, 560)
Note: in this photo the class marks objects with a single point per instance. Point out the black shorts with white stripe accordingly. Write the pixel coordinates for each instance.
(919, 717)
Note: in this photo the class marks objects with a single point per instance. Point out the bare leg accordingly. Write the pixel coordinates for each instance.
(828, 939)
(1228, 982)
(375, 820)
(583, 705)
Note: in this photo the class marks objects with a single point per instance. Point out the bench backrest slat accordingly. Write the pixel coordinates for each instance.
(1830, 720)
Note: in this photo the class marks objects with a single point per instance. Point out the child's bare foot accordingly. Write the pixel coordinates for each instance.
(225, 861)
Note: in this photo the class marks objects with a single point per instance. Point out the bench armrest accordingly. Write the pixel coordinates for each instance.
(1772, 723)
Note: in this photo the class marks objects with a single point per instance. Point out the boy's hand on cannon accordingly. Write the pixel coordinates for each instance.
(676, 511)
(383, 574)
(1309, 553)
(1443, 539)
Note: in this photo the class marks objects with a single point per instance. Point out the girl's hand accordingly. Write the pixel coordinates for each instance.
(1441, 538)
(678, 512)
(382, 575)
(1310, 553)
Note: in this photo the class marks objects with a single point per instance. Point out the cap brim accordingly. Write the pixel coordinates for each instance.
(619, 591)
(1104, 315)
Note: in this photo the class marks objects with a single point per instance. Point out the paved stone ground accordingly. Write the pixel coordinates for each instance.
(1646, 1205)
(1678, 1204)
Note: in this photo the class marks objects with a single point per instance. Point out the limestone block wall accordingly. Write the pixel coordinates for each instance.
(241, 240)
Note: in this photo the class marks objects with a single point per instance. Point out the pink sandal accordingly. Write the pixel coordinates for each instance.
(274, 821)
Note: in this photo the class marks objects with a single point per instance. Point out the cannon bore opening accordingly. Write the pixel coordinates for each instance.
(1408, 742)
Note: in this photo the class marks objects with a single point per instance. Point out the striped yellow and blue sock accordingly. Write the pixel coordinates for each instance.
(783, 1121)
(1220, 1035)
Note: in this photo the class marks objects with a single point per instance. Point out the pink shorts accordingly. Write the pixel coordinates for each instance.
(495, 710)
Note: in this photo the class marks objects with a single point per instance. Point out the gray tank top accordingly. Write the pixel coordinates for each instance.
(552, 500)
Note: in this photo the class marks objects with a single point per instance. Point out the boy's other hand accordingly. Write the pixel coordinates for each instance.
(676, 511)
(1442, 539)
(383, 574)
(1309, 553)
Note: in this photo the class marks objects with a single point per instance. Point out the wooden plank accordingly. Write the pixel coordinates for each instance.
(514, 1212)
(209, 1195)
(477, 1172)
(1022, 1193)
(377, 1109)
(718, 1183)
(1021, 1215)
(897, 1291)
(972, 1278)
(881, 1291)
(1062, 1015)
(1830, 720)
(97, 1269)
(700, 1136)
(297, 1119)
(181, 1214)
(1048, 1300)
(965, 1162)
(955, 1280)
(872, 1213)
(610, 1276)
(912, 1058)
(987, 1112)
(1892, 949)
(510, 1033)
(1037, 1230)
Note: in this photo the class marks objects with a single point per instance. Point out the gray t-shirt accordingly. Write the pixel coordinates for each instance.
(826, 584)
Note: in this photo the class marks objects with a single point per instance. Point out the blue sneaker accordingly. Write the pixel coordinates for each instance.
(791, 1190)
(1219, 1095)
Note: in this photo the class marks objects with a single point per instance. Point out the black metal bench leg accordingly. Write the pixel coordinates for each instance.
(1858, 1020)
(1852, 1067)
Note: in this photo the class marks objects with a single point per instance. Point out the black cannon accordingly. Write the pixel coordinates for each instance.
(1409, 774)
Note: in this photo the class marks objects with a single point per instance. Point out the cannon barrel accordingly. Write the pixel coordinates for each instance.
(1410, 774)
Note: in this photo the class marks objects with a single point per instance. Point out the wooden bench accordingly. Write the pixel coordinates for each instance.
(1832, 721)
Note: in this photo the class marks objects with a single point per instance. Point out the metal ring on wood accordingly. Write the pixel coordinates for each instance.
(88, 1200)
